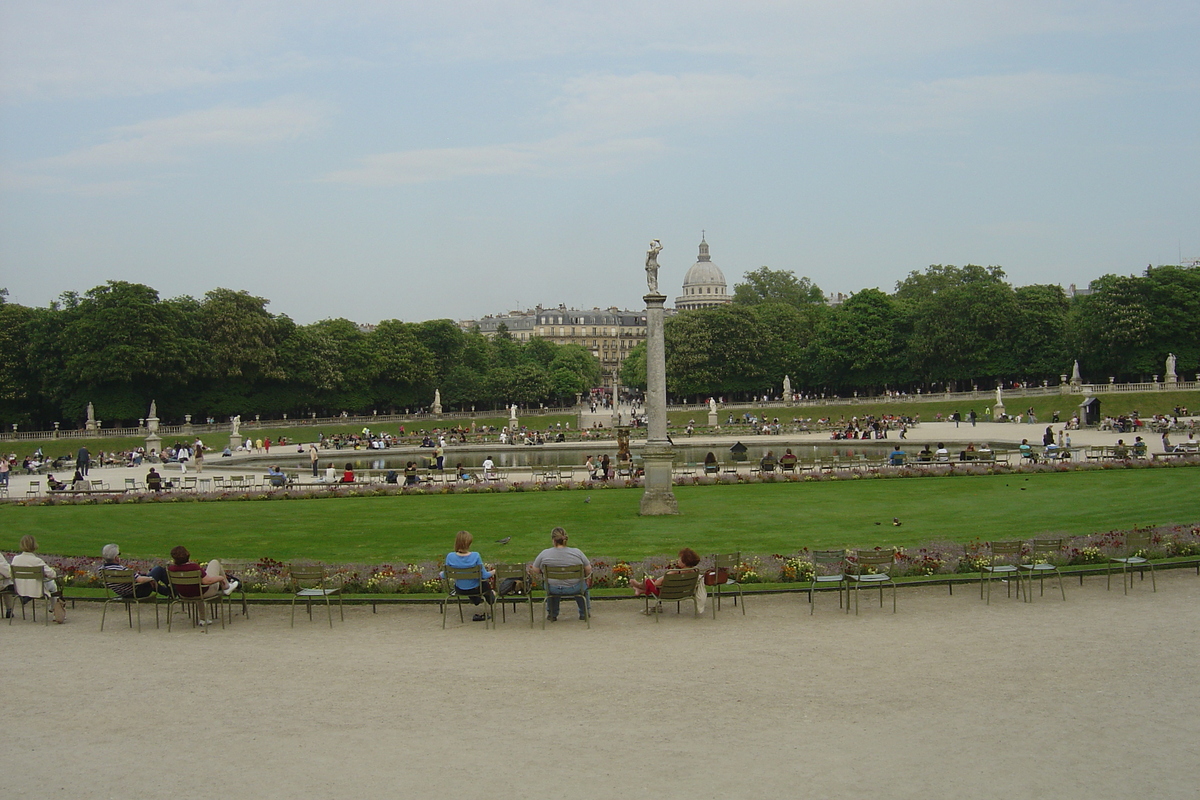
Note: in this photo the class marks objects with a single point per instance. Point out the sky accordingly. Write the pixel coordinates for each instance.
(417, 160)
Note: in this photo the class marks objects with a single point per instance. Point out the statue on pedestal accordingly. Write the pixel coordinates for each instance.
(1171, 375)
(652, 266)
(235, 423)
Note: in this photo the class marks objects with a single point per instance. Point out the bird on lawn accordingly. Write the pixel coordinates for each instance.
(896, 521)
(587, 499)
(505, 540)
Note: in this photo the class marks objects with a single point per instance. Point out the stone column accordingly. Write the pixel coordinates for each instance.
(657, 455)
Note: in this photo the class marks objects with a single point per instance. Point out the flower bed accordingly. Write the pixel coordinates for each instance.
(936, 558)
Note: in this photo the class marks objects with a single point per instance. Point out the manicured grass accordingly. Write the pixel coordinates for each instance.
(760, 518)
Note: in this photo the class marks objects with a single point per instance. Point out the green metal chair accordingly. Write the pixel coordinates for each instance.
(1045, 549)
(576, 573)
(729, 565)
(193, 600)
(823, 562)
(1136, 543)
(999, 567)
(30, 574)
(520, 591)
(113, 578)
(311, 581)
(237, 569)
(677, 586)
(450, 577)
(871, 567)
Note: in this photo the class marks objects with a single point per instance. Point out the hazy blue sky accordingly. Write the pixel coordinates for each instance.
(449, 159)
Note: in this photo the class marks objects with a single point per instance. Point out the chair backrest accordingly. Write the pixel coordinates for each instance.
(118, 577)
(1044, 546)
(455, 574)
(678, 584)
(188, 580)
(573, 572)
(878, 561)
(828, 558)
(1005, 549)
(727, 561)
(1134, 541)
(307, 575)
(515, 572)
(131, 483)
(97, 484)
(28, 574)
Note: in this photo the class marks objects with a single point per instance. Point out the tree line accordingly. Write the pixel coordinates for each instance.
(118, 346)
(947, 327)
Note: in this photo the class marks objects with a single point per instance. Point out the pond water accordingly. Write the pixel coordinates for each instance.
(508, 456)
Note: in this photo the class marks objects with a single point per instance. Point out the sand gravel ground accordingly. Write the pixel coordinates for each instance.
(1092, 698)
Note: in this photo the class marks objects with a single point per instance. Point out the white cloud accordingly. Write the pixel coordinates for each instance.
(954, 102)
(651, 100)
(174, 139)
(534, 158)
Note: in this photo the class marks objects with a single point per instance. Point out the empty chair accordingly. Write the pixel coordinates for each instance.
(311, 581)
(1044, 549)
(236, 569)
(999, 566)
(726, 572)
(513, 585)
(829, 566)
(1133, 558)
(871, 567)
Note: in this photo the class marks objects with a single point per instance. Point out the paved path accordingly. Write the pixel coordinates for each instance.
(1089, 698)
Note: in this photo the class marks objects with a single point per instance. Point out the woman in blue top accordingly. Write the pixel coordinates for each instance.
(463, 558)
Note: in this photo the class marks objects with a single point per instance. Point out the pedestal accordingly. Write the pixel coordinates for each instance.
(235, 441)
(712, 419)
(997, 411)
(658, 499)
(153, 442)
(658, 455)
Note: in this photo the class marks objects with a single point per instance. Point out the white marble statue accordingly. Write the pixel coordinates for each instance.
(153, 411)
(91, 413)
(236, 424)
(1171, 365)
(712, 405)
(1075, 376)
(999, 399)
(652, 266)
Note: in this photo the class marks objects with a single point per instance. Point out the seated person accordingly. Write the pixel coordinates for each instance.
(788, 460)
(1027, 451)
(710, 464)
(942, 454)
(32, 588)
(410, 474)
(275, 476)
(154, 481)
(226, 453)
(391, 477)
(463, 474)
(896, 457)
(767, 464)
(212, 578)
(968, 454)
(6, 590)
(687, 560)
(348, 474)
(1121, 451)
(1052, 450)
(54, 484)
(560, 555)
(143, 585)
(1139, 447)
(464, 558)
(926, 454)
(78, 482)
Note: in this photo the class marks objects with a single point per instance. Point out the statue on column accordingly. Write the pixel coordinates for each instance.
(652, 266)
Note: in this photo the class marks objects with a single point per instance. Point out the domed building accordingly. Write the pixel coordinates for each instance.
(704, 284)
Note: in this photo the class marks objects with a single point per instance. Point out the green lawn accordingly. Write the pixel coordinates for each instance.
(759, 518)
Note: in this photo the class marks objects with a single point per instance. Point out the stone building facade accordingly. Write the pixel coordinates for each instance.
(704, 284)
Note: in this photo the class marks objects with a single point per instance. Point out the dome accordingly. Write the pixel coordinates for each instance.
(704, 284)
